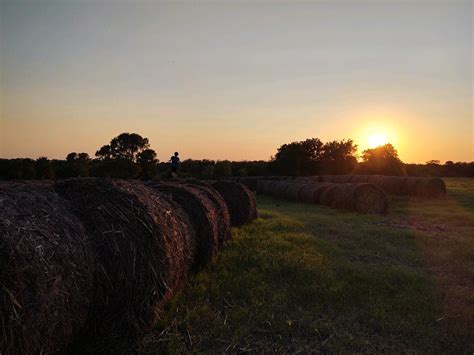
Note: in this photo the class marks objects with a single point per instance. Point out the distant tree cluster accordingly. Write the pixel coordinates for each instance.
(129, 156)
(313, 157)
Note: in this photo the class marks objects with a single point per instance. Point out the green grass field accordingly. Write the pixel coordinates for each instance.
(308, 278)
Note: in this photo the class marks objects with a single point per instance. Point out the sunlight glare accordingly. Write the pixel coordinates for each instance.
(376, 140)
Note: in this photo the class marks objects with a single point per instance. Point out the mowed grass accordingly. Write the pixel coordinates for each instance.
(308, 278)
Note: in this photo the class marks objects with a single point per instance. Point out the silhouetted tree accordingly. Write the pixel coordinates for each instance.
(338, 157)
(124, 146)
(223, 169)
(76, 165)
(120, 157)
(148, 163)
(43, 169)
(298, 158)
(382, 160)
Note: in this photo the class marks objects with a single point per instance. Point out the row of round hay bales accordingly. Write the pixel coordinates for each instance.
(397, 185)
(142, 252)
(86, 265)
(364, 198)
(249, 181)
(240, 201)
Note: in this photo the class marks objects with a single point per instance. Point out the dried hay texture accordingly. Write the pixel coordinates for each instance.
(46, 270)
(293, 191)
(141, 256)
(430, 188)
(364, 198)
(279, 188)
(342, 178)
(240, 201)
(202, 213)
(223, 214)
(326, 196)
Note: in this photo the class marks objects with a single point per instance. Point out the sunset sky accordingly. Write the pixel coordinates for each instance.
(236, 79)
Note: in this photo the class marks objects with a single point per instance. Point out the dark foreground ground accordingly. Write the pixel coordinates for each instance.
(308, 278)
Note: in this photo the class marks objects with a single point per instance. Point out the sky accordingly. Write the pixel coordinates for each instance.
(236, 79)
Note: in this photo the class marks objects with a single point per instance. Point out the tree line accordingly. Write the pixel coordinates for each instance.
(129, 156)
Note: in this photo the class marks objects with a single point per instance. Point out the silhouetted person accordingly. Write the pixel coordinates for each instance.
(174, 164)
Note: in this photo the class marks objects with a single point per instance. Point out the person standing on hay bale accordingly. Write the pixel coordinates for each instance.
(174, 164)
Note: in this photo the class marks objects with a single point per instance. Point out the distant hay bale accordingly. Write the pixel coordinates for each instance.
(393, 184)
(260, 186)
(46, 270)
(326, 178)
(364, 198)
(430, 188)
(293, 191)
(223, 213)
(268, 186)
(360, 178)
(141, 256)
(342, 178)
(326, 196)
(409, 186)
(307, 193)
(279, 188)
(240, 201)
(203, 216)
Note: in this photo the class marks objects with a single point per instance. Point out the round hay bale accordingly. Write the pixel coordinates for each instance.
(280, 187)
(326, 178)
(430, 188)
(223, 214)
(260, 186)
(360, 178)
(250, 182)
(293, 191)
(46, 270)
(377, 180)
(364, 198)
(141, 256)
(409, 186)
(326, 196)
(308, 193)
(203, 216)
(320, 188)
(342, 178)
(240, 201)
(393, 184)
(268, 186)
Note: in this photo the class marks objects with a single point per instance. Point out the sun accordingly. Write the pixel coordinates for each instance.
(376, 140)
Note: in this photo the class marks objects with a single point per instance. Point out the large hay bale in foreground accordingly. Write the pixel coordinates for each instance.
(141, 257)
(46, 270)
(223, 214)
(202, 213)
(360, 178)
(240, 201)
(364, 198)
